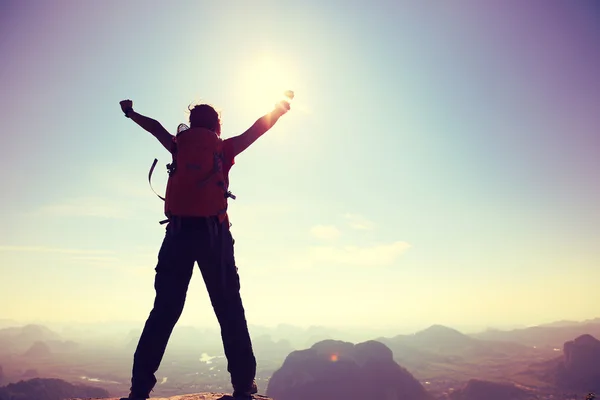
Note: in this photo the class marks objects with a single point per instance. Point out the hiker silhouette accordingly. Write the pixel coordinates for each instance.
(197, 231)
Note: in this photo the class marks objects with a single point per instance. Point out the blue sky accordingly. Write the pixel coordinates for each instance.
(440, 163)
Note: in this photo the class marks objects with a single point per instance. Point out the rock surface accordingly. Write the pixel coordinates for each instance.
(196, 396)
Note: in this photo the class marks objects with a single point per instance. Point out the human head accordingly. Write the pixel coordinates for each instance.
(205, 116)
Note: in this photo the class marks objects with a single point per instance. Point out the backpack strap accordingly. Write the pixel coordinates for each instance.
(150, 182)
(150, 179)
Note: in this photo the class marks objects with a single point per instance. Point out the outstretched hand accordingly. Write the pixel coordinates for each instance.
(126, 105)
(284, 105)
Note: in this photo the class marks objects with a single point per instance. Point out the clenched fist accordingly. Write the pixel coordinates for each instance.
(126, 105)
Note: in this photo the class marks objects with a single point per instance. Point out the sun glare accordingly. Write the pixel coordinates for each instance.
(264, 81)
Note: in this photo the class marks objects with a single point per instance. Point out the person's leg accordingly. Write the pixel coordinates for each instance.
(173, 273)
(217, 263)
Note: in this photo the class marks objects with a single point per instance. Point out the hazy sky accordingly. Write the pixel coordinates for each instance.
(441, 163)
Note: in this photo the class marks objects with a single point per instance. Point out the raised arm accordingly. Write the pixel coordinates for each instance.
(262, 125)
(149, 124)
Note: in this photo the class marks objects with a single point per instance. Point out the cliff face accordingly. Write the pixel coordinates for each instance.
(580, 368)
(340, 370)
(582, 354)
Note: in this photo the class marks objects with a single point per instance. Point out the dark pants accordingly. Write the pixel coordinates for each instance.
(209, 243)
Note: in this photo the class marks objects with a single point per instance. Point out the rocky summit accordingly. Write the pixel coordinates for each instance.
(334, 369)
(196, 396)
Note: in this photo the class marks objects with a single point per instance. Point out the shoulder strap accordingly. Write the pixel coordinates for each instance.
(150, 178)
(150, 182)
(181, 128)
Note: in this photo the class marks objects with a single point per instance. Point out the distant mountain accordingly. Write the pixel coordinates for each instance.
(298, 337)
(333, 369)
(49, 389)
(410, 356)
(566, 322)
(30, 373)
(18, 339)
(442, 344)
(59, 346)
(183, 341)
(266, 348)
(7, 323)
(31, 332)
(542, 336)
(476, 389)
(441, 337)
(38, 350)
(435, 341)
(560, 324)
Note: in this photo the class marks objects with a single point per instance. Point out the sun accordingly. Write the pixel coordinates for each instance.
(264, 80)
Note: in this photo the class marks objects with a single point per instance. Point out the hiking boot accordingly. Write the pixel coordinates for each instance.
(247, 393)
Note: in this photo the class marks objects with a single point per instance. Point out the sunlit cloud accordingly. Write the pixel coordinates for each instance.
(139, 263)
(325, 232)
(96, 261)
(358, 222)
(378, 255)
(126, 198)
(56, 250)
(131, 263)
(248, 219)
(97, 207)
(381, 255)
